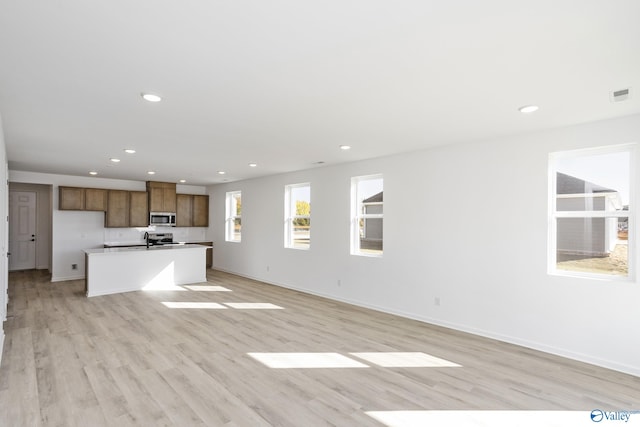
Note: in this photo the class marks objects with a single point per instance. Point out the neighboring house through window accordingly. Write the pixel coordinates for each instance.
(233, 228)
(297, 229)
(589, 212)
(367, 215)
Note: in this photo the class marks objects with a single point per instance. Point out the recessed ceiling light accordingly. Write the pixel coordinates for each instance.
(129, 150)
(151, 173)
(93, 173)
(183, 180)
(345, 147)
(253, 165)
(528, 109)
(114, 160)
(221, 172)
(151, 97)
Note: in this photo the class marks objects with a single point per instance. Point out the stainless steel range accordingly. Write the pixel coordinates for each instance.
(160, 238)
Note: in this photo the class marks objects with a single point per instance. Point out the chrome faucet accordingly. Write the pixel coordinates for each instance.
(146, 237)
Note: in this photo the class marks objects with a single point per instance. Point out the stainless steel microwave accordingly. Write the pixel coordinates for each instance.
(168, 219)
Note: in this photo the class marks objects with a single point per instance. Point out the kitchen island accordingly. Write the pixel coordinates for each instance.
(116, 270)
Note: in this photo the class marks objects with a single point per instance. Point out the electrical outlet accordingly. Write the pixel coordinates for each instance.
(267, 268)
(436, 301)
(74, 266)
(339, 282)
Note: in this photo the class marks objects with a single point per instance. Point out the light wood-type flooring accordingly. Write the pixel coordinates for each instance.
(129, 359)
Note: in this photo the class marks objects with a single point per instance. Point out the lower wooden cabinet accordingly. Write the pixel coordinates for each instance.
(209, 253)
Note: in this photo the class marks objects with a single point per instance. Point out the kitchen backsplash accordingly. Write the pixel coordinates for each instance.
(134, 235)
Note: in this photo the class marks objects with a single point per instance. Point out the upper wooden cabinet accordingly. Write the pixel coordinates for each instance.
(117, 209)
(138, 209)
(162, 196)
(95, 199)
(82, 199)
(71, 198)
(184, 210)
(200, 212)
(193, 210)
(126, 209)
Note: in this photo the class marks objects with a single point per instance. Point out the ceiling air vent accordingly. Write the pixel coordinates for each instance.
(621, 95)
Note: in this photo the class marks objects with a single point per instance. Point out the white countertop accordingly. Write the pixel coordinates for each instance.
(173, 246)
(142, 243)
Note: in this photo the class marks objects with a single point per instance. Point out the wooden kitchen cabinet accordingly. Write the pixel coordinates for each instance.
(95, 199)
(71, 198)
(184, 211)
(200, 212)
(117, 209)
(82, 199)
(209, 261)
(138, 209)
(193, 210)
(162, 196)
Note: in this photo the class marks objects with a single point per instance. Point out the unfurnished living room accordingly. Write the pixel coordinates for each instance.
(354, 213)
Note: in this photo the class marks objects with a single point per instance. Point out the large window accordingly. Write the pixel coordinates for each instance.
(590, 210)
(297, 229)
(367, 215)
(233, 228)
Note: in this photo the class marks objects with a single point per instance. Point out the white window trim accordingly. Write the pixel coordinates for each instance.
(289, 218)
(553, 215)
(230, 217)
(356, 216)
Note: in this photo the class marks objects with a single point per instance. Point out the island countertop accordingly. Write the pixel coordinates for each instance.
(143, 248)
(158, 268)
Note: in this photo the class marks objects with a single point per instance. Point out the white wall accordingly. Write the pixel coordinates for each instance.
(4, 232)
(466, 224)
(74, 231)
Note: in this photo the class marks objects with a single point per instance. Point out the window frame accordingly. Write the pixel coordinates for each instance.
(554, 215)
(231, 215)
(290, 216)
(357, 216)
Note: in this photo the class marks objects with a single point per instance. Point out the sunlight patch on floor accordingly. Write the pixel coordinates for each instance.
(405, 360)
(306, 360)
(198, 305)
(253, 305)
(484, 418)
(207, 288)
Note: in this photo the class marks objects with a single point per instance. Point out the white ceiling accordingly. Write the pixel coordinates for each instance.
(283, 83)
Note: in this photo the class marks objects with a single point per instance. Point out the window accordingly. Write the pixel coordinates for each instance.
(589, 212)
(233, 227)
(366, 213)
(297, 211)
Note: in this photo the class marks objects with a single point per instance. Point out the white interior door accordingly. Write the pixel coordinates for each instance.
(22, 230)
